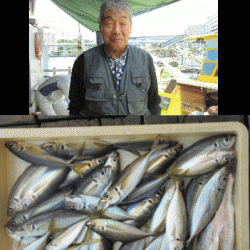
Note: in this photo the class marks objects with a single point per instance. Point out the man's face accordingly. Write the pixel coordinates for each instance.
(115, 30)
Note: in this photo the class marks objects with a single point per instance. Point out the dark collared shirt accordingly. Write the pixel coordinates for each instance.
(117, 67)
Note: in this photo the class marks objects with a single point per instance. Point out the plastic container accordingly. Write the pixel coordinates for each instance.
(11, 166)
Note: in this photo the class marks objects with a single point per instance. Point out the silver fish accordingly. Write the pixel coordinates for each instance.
(208, 202)
(25, 179)
(39, 244)
(204, 156)
(40, 182)
(126, 181)
(160, 158)
(156, 243)
(34, 154)
(66, 238)
(88, 204)
(145, 190)
(176, 223)
(89, 165)
(97, 182)
(116, 230)
(143, 210)
(220, 231)
(192, 193)
(53, 203)
(103, 244)
(71, 179)
(39, 225)
(60, 149)
(159, 217)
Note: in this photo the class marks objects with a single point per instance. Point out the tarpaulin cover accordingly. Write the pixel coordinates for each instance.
(86, 12)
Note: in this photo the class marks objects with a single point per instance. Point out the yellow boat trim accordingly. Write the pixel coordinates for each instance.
(205, 37)
(174, 107)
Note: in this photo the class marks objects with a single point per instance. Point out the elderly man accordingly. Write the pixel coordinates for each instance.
(114, 78)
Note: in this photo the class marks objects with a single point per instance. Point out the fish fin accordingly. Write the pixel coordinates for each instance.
(155, 143)
(80, 152)
(158, 230)
(188, 243)
(96, 213)
(78, 168)
(152, 176)
(52, 225)
(133, 151)
(102, 145)
(83, 146)
(174, 231)
(89, 241)
(178, 177)
(72, 159)
(72, 145)
(20, 242)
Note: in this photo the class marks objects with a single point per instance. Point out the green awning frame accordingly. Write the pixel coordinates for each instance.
(86, 12)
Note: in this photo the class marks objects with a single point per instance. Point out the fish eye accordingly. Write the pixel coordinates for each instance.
(62, 147)
(150, 201)
(224, 178)
(99, 161)
(21, 229)
(102, 228)
(227, 139)
(114, 160)
(103, 172)
(106, 196)
(216, 145)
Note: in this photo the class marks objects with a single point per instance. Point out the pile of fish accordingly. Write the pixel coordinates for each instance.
(167, 198)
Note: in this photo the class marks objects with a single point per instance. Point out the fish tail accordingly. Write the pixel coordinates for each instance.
(188, 243)
(52, 225)
(102, 145)
(80, 152)
(158, 230)
(178, 178)
(78, 168)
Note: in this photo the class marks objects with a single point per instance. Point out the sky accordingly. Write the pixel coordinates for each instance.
(172, 19)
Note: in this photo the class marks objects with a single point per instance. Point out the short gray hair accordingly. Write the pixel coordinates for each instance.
(115, 5)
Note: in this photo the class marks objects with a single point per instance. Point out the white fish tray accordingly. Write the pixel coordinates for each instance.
(187, 134)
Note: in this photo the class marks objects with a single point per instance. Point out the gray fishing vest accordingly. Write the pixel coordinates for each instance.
(101, 97)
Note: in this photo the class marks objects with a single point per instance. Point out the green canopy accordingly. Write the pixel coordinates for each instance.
(86, 12)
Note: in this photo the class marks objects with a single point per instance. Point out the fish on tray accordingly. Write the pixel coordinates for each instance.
(73, 197)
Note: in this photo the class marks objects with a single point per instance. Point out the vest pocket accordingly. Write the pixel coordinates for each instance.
(95, 89)
(137, 96)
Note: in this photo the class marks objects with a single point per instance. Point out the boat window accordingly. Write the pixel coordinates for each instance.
(212, 43)
(212, 55)
(208, 69)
